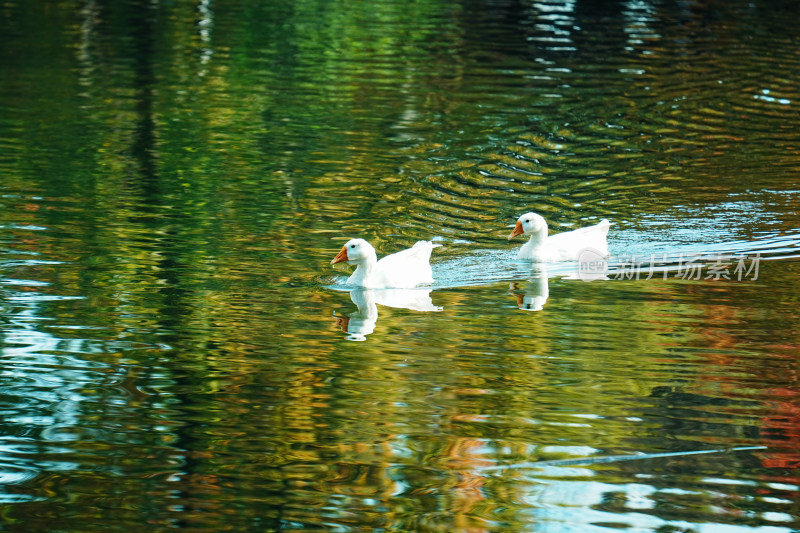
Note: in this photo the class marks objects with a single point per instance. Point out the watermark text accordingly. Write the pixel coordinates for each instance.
(730, 267)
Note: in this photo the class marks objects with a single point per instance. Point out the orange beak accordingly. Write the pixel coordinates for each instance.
(341, 256)
(517, 231)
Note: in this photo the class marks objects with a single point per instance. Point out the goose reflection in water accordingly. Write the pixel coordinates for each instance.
(362, 322)
(536, 290)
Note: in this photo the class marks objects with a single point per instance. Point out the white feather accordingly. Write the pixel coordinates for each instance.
(565, 246)
(402, 270)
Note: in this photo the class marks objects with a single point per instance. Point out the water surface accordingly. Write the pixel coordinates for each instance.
(177, 353)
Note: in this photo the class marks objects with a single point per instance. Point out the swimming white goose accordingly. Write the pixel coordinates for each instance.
(404, 270)
(565, 246)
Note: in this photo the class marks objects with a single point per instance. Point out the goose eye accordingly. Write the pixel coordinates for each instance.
(352, 246)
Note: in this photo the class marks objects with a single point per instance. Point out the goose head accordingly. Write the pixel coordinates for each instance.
(530, 223)
(355, 251)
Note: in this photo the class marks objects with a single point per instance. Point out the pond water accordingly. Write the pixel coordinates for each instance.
(176, 351)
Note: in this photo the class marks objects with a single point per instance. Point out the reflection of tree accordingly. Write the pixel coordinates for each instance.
(188, 195)
(709, 406)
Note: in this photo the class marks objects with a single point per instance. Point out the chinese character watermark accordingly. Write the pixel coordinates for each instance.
(592, 266)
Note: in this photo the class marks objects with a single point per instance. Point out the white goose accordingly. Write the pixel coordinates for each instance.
(404, 270)
(565, 246)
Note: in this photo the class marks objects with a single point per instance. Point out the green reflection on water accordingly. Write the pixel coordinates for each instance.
(176, 177)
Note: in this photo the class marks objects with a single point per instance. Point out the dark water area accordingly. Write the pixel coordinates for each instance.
(176, 351)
